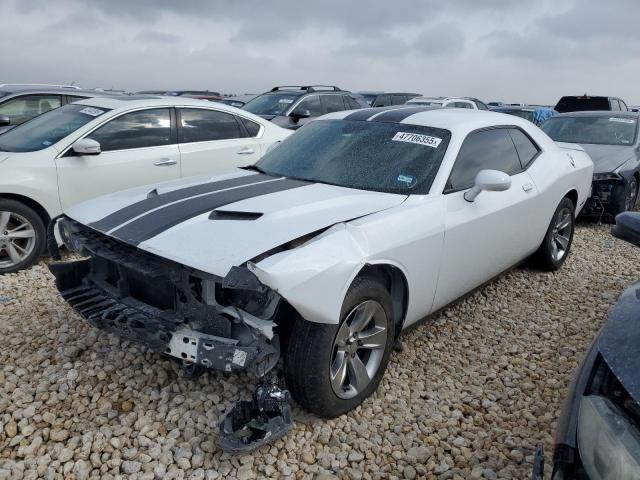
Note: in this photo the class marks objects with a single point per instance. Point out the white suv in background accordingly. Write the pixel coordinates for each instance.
(449, 102)
(101, 145)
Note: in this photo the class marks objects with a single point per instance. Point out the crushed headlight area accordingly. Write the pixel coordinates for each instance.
(207, 322)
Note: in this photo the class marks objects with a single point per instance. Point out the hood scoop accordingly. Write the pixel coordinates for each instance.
(231, 215)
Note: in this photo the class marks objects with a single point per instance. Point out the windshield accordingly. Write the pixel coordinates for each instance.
(384, 157)
(48, 128)
(526, 114)
(582, 104)
(271, 103)
(424, 102)
(369, 98)
(607, 130)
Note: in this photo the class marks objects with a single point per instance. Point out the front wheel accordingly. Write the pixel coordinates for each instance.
(625, 197)
(331, 369)
(22, 236)
(557, 241)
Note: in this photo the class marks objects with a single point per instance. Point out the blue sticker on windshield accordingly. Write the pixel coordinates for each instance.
(408, 180)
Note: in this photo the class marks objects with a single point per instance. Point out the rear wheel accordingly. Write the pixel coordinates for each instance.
(557, 242)
(22, 236)
(331, 369)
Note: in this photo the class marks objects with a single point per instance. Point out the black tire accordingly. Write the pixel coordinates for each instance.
(546, 258)
(625, 197)
(37, 247)
(311, 349)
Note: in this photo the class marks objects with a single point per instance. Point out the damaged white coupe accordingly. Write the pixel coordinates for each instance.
(352, 229)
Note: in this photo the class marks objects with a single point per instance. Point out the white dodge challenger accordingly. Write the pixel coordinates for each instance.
(355, 227)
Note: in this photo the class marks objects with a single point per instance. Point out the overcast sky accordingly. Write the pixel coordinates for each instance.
(509, 50)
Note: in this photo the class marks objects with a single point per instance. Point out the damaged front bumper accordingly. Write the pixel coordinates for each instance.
(203, 320)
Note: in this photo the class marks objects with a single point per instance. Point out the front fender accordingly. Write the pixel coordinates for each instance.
(327, 264)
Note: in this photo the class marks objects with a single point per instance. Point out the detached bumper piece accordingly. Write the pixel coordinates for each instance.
(251, 424)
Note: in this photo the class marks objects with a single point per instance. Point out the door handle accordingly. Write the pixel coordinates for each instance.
(527, 187)
(246, 151)
(165, 162)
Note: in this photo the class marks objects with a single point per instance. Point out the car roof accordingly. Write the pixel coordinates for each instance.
(458, 119)
(134, 101)
(601, 113)
(383, 92)
(33, 89)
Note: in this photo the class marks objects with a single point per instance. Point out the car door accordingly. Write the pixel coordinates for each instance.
(137, 148)
(213, 141)
(487, 236)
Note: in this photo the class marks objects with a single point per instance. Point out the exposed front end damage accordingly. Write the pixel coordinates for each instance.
(201, 319)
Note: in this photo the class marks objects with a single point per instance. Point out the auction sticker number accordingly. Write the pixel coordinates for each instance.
(417, 139)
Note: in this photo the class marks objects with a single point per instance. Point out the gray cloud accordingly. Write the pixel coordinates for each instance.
(152, 36)
(518, 50)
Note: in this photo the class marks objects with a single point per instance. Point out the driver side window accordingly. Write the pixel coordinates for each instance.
(485, 149)
(144, 128)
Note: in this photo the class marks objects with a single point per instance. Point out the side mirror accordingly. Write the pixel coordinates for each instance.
(86, 146)
(489, 180)
(4, 121)
(298, 114)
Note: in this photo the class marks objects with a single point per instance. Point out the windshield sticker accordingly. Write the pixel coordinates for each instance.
(46, 142)
(408, 180)
(417, 138)
(94, 112)
(621, 120)
(285, 100)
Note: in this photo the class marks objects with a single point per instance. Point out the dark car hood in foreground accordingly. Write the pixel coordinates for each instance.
(619, 341)
(606, 158)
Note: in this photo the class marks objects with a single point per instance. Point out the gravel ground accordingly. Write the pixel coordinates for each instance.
(469, 397)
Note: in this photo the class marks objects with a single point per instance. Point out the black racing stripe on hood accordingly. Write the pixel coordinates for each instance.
(399, 114)
(129, 212)
(154, 223)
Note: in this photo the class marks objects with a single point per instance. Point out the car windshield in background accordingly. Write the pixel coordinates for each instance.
(526, 114)
(271, 103)
(425, 103)
(48, 128)
(3, 94)
(582, 104)
(369, 98)
(605, 130)
(385, 157)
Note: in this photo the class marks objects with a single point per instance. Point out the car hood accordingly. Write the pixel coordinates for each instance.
(607, 158)
(619, 341)
(254, 213)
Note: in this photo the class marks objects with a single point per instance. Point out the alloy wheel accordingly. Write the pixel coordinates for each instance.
(561, 234)
(358, 349)
(17, 239)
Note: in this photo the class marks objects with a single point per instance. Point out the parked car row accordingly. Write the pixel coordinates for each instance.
(215, 236)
